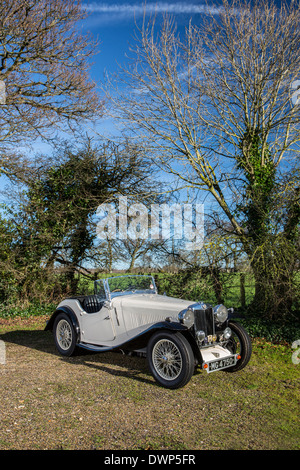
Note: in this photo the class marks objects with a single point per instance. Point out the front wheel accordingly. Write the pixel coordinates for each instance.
(170, 359)
(239, 343)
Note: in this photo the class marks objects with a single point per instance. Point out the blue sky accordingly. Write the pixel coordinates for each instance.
(114, 23)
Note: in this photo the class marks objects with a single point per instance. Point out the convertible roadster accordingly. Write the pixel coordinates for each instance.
(126, 313)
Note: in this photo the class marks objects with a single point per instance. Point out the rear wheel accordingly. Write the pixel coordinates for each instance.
(64, 335)
(170, 359)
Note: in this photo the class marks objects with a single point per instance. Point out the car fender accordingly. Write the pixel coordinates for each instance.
(169, 325)
(72, 316)
(141, 340)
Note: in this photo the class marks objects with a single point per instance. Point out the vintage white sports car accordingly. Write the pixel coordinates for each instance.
(126, 313)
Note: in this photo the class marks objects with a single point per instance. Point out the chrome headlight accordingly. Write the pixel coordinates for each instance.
(187, 317)
(221, 313)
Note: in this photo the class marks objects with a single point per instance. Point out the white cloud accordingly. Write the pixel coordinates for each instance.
(140, 9)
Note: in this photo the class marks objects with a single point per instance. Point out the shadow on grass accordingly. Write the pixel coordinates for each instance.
(128, 365)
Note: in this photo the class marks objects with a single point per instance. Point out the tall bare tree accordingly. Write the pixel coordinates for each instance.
(218, 108)
(44, 66)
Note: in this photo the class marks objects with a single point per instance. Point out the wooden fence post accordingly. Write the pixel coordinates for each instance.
(242, 290)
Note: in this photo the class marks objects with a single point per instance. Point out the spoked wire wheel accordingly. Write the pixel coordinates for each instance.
(64, 335)
(170, 359)
(167, 359)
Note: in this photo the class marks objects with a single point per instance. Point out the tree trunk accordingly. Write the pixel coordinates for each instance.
(275, 290)
(72, 280)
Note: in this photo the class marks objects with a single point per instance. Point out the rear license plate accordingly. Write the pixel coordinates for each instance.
(221, 363)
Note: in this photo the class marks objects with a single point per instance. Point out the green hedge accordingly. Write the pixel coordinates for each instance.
(195, 287)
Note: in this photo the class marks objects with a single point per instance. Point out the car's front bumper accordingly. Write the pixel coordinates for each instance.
(216, 358)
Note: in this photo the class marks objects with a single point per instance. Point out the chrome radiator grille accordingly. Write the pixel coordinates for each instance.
(204, 320)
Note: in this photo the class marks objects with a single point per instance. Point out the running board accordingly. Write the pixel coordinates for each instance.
(93, 347)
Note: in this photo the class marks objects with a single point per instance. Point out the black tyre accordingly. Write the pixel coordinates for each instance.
(239, 343)
(64, 335)
(170, 359)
